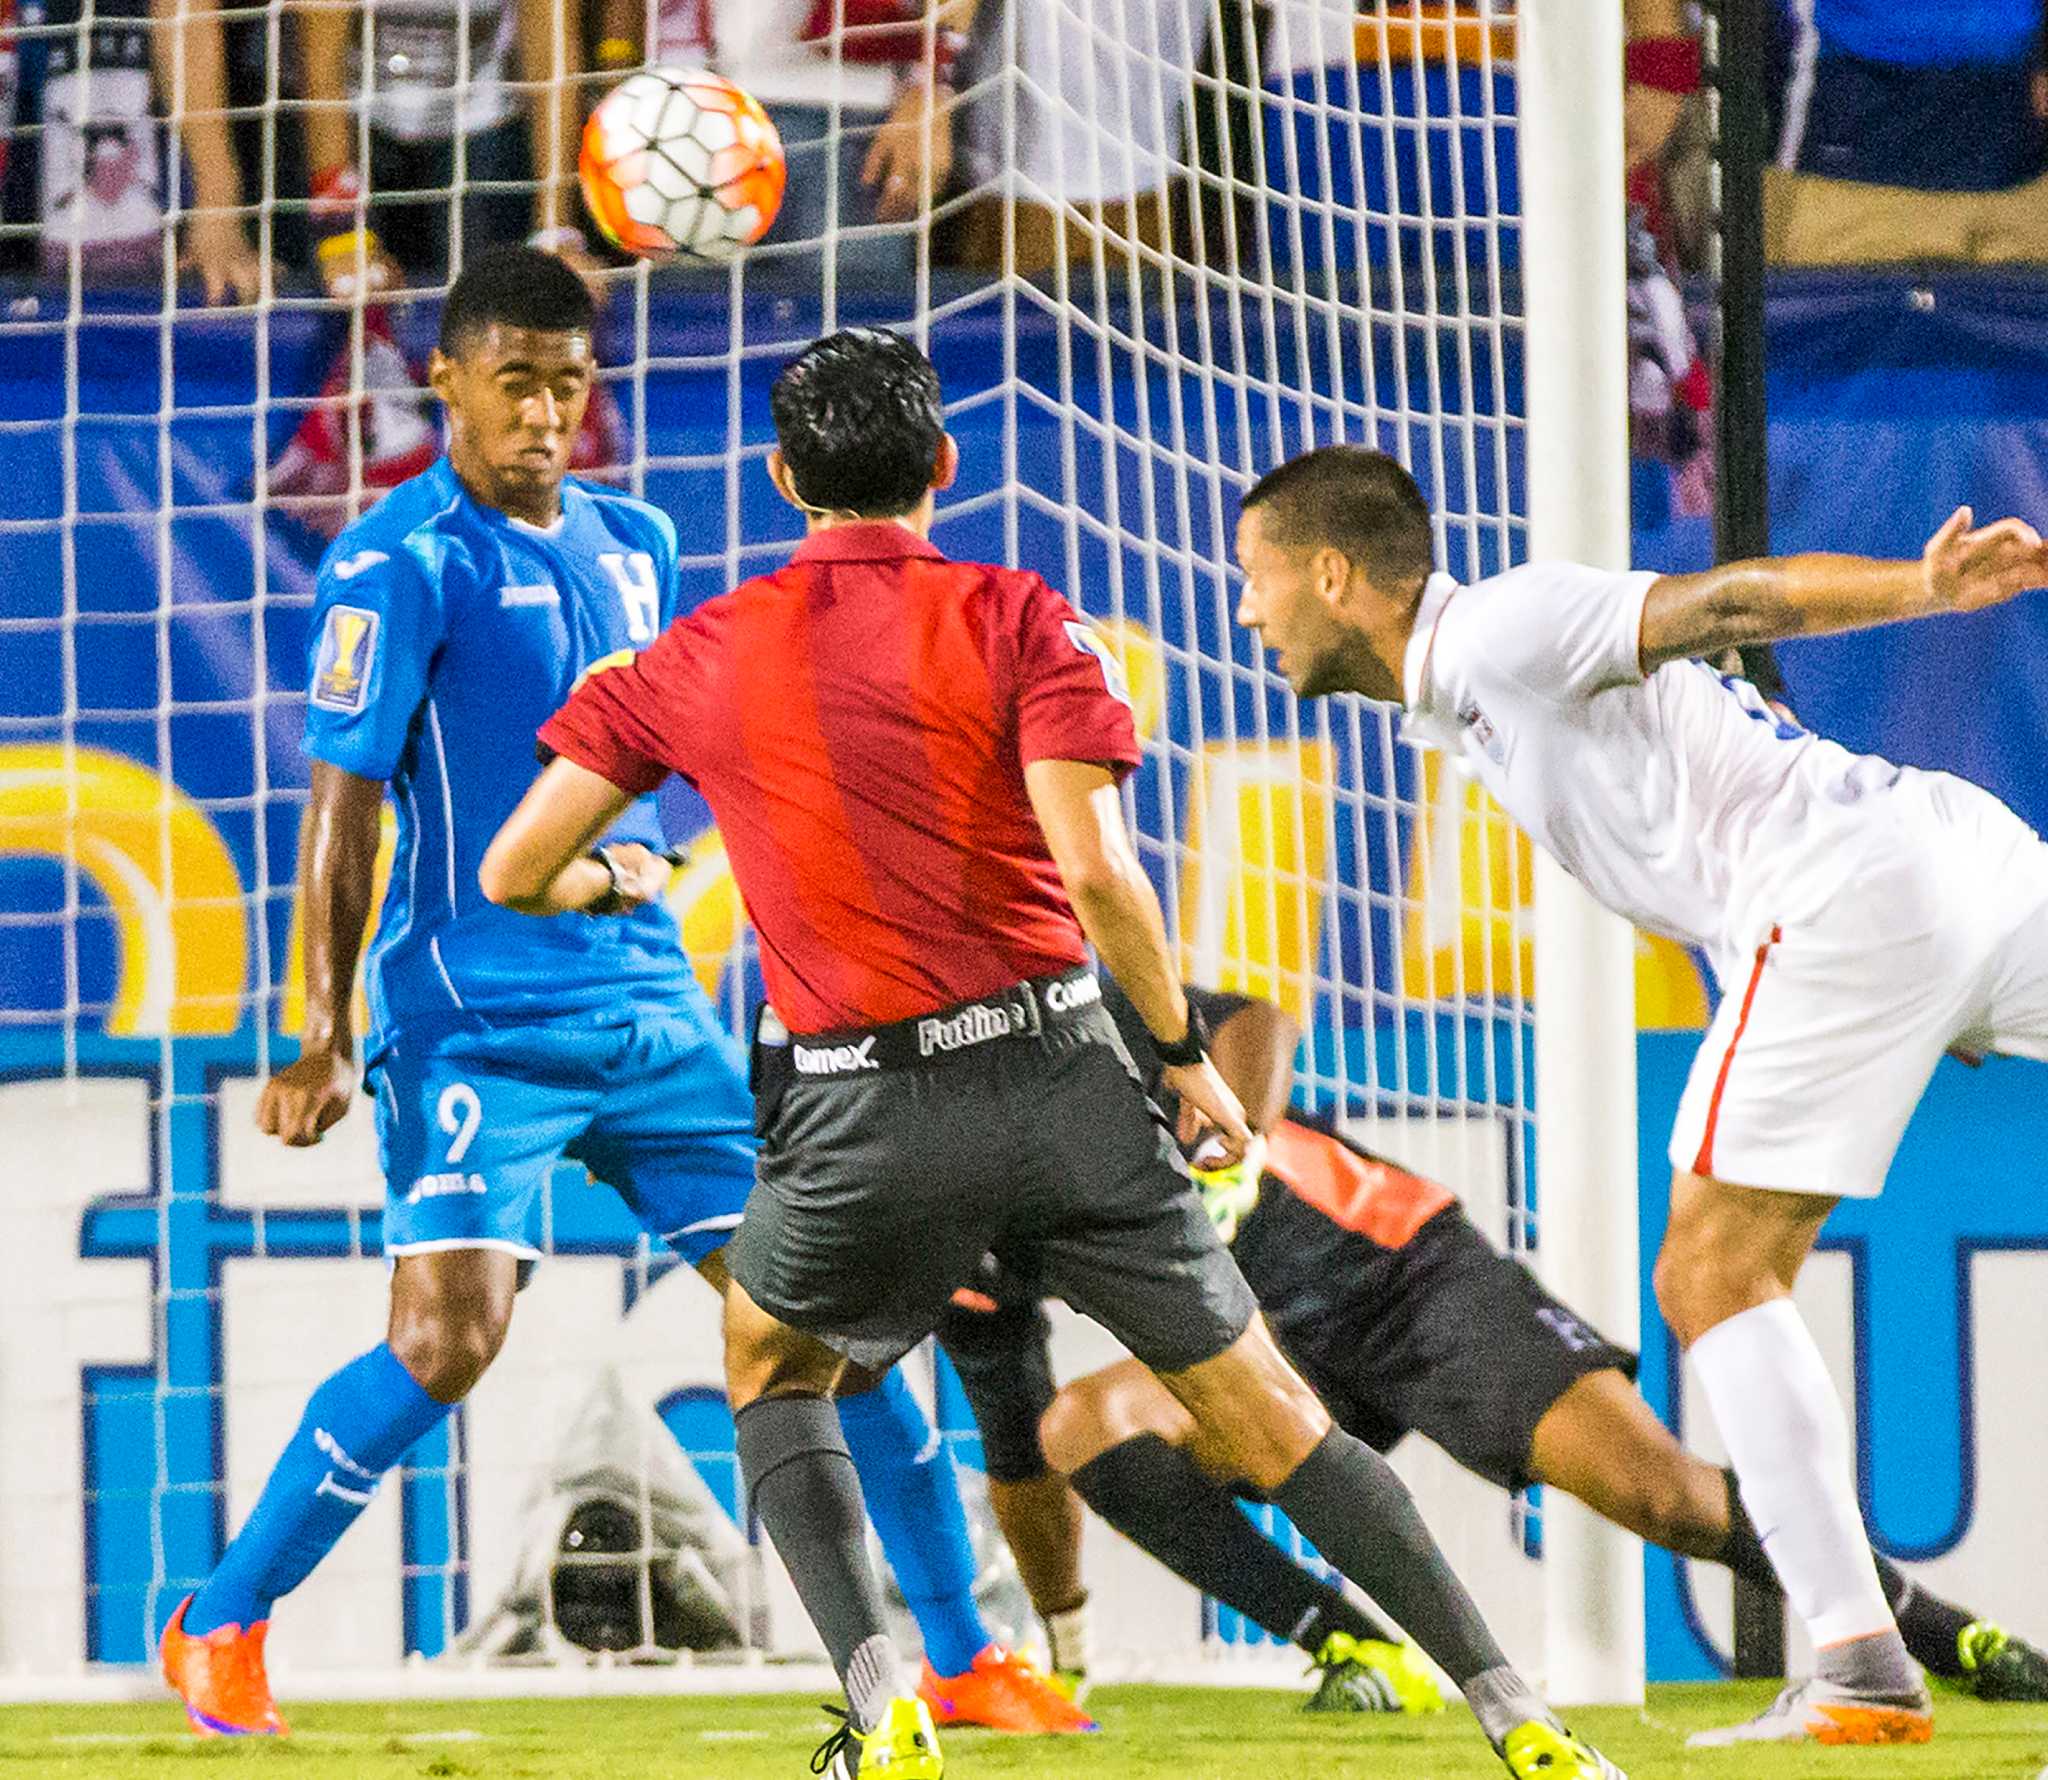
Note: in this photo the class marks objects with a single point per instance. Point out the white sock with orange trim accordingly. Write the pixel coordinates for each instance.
(1789, 1443)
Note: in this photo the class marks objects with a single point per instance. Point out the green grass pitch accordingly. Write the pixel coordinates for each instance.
(1151, 1733)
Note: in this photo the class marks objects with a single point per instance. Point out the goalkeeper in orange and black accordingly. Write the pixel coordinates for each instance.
(1405, 1319)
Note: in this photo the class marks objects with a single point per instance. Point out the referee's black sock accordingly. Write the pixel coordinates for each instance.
(800, 1480)
(1163, 1502)
(1930, 1626)
(1353, 1508)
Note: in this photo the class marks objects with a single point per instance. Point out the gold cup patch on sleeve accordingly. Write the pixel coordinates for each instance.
(341, 668)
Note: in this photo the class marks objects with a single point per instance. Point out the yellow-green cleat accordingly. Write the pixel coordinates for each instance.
(1998, 1666)
(902, 1746)
(1371, 1675)
(1544, 1750)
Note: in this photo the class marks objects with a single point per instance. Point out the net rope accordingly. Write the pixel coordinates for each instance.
(1342, 268)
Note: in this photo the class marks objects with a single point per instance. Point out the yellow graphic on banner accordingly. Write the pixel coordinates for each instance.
(706, 904)
(1470, 897)
(1136, 651)
(291, 1014)
(161, 865)
(1469, 928)
(1671, 995)
(1252, 890)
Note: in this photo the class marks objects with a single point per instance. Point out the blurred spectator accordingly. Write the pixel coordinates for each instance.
(1911, 130)
(10, 81)
(102, 175)
(409, 100)
(189, 54)
(1663, 73)
(1670, 391)
(1094, 120)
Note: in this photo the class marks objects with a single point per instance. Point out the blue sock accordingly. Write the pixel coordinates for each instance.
(359, 1424)
(913, 1497)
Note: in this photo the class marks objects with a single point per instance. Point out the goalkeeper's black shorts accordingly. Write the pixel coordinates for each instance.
(1443, 1336)
(1023, 1131)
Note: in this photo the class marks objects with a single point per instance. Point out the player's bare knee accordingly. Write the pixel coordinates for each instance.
(1285, 1430)
(1091, 1415)
(450, 1313)
(1071, 1430)
(1701, 1277)
(767, 1358)
(448, 1347)
(1255, 1417)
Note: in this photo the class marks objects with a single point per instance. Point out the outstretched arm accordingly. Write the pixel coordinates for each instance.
(1772, 598)
(540, 862)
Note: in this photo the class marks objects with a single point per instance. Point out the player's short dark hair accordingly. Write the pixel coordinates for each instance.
(1354, 499)
(859, 421)
(516, 287)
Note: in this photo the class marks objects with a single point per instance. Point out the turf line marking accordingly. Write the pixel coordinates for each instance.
(734, 1736)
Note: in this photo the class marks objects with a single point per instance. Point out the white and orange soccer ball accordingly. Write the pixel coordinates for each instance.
(681, 161)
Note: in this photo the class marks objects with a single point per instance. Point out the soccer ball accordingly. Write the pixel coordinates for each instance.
(679, 160)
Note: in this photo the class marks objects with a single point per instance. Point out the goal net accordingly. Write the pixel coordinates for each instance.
(1182, 239)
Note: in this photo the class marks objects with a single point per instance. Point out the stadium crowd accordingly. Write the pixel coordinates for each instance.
(328, 142)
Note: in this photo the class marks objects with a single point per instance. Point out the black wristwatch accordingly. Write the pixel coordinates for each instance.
(1192, 1045)
(613, 900)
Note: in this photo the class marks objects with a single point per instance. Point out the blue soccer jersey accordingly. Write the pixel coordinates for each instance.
(444, 634)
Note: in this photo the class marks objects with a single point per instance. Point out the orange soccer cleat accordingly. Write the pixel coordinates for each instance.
(1819, 1711)
(1003, 1692)
(220, 1678)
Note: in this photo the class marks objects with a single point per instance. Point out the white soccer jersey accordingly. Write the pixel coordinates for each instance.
(1862, 918)
(1681, 801)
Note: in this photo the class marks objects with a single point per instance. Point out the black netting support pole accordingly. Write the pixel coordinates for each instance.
(1742, 511)
(1738, 61)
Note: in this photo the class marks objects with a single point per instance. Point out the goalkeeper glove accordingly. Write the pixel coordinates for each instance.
(1229, 1192)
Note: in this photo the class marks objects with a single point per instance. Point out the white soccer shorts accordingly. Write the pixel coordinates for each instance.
(1930, 932)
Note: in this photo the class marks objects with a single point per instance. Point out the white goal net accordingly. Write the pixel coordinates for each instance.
(1182, 239)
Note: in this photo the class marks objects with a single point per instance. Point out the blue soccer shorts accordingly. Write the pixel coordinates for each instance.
(471, 1123)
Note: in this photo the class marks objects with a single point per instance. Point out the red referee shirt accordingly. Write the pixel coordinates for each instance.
(859, 723)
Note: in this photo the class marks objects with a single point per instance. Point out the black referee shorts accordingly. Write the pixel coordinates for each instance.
(887, 1172)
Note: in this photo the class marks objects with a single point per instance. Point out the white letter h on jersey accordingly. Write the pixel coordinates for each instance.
(639, 593)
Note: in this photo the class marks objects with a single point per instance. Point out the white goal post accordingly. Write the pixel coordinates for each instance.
(1575, 272)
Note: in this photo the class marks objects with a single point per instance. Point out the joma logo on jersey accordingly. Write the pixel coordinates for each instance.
(443, 1186)
(834, 1059)
(970, 1026)
(341, 668)
(356, 564)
